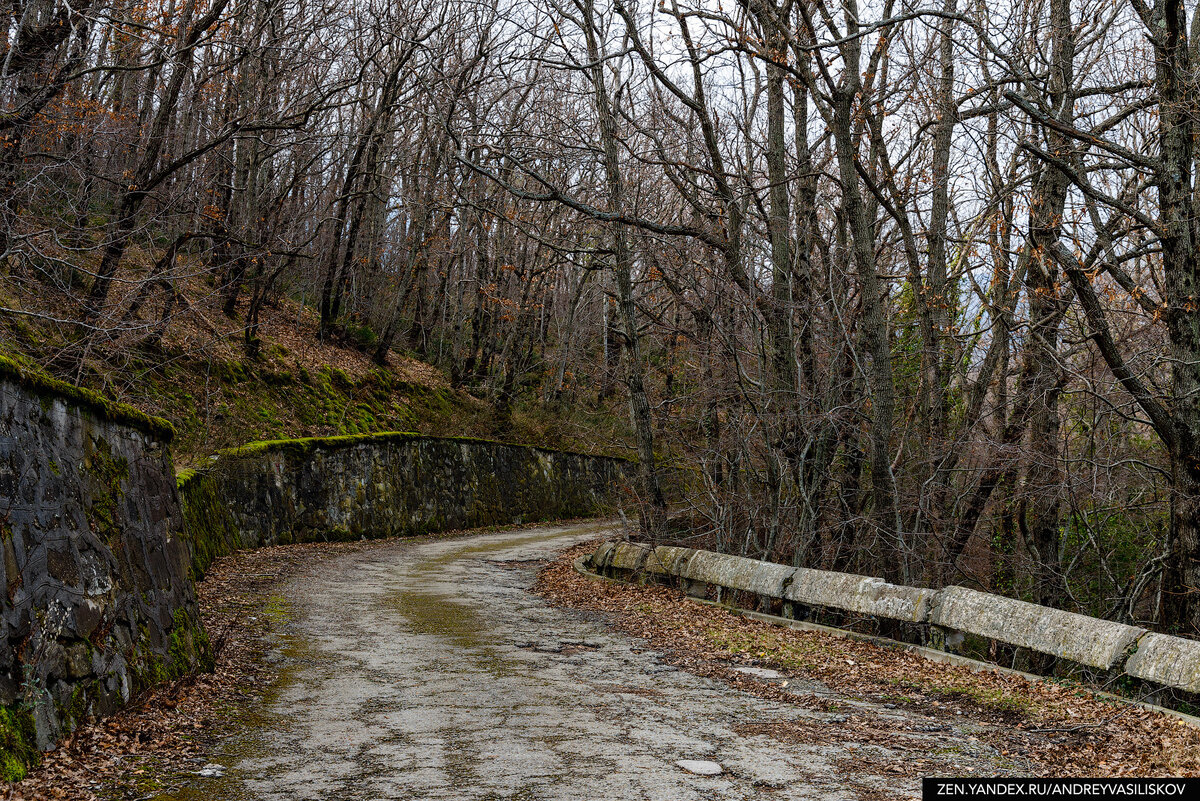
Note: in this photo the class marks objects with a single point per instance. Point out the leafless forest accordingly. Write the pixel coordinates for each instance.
(904, 288)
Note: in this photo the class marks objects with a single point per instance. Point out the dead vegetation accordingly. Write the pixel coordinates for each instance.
(1055, 729)
(158, 744)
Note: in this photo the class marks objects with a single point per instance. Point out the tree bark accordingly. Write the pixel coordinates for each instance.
(653, 504)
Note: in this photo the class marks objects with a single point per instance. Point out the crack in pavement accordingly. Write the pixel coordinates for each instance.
(428, 670)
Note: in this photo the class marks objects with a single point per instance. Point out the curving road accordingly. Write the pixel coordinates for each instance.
(427, 670)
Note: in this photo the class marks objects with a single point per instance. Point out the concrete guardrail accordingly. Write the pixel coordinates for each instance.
(950, 613)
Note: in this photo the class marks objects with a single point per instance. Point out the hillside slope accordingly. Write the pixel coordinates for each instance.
(197, 375)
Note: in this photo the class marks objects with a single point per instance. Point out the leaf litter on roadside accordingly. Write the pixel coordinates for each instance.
(1053, 729)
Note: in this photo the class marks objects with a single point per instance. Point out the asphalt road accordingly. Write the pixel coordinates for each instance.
(428, 670)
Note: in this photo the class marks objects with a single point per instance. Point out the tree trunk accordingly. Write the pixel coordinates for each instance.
(653, 504)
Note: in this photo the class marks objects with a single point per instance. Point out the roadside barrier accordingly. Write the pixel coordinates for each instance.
(945, 619)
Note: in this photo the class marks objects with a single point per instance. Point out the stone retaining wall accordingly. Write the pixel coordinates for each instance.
(948, 614)
(97, 602)
(383, 485)
(100, 541)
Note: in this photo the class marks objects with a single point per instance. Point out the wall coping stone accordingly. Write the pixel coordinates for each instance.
(1167, 660)
(1089, 640)
(1086, 640)
(304, 446)
(44, 386)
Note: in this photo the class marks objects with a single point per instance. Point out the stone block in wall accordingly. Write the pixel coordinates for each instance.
(1079, 638)
(1167, 660)
(733, 572)
(668, 560)
(602, 556)
(627, 556)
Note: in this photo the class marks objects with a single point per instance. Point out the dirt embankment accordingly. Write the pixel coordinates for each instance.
(199, 376)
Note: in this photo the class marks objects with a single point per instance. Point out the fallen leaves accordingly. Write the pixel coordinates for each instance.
(1054, 729)
(159, 743)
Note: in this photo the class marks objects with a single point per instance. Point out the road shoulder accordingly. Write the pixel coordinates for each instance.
(1035, 727)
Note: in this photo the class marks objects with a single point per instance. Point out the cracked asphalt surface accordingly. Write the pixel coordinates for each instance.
(428, 670)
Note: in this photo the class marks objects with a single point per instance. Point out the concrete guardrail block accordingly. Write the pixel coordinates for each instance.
(737, 573)
(1172, 661)
(1165, 660)
(1087, 640)
(627, 556)
(670, 560)
(602, 555)
(862, 594)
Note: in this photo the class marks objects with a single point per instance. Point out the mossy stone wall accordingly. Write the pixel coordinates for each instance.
(380, 485)
(96, 599)
(100, 541)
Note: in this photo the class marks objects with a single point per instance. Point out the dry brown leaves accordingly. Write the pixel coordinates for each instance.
(1063, 730)
(200, 329)
(160, 742)
(203, 327)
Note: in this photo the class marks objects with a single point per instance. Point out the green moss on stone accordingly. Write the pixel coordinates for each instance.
(208, 528)
(108, 471)
(74, 711)
(306, 446)
(51, 388)
(188, 650)
(340, 534)
(18, 751)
